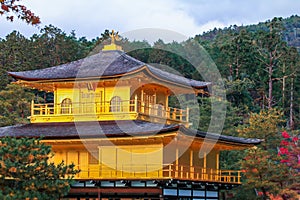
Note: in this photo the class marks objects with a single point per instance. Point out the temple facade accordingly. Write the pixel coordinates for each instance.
(111, 118)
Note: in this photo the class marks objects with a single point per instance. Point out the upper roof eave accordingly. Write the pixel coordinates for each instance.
(108, 64)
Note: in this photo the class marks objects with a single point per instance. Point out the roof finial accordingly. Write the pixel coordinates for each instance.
(112, 46)
(114, 36)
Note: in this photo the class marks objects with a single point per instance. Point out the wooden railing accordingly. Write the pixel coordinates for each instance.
(97, 108)
(160, 111)
(81, 108)
(154, 171)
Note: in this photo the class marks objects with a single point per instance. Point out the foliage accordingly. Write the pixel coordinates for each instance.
(276, 171)
(259, 69)
(49, 48)
(260, 55)
(264, 170)
(270, 48)
(26, 171)
(265, 173)
(263, 125)
(291, 30)
(238, 92)
(22, 12)
(234, 116)
(14, 105)
(289, 153)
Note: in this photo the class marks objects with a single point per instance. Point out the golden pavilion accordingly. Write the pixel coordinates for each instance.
(111, 118)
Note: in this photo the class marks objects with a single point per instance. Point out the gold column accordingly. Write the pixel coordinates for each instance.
(204, 175)
(142, 102)
(217, 160)
(176, 162)
(192, 171)
(217, 166)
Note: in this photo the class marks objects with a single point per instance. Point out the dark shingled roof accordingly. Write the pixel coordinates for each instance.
(86, 129)
(104, 64)
(109, 129)
(215, 136)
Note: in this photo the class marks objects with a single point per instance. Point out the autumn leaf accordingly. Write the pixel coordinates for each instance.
(30, 157)
(5, 7)
(21, 11)
(12, 169)
(35, 20)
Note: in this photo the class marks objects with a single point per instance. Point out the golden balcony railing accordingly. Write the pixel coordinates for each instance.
(155, 171)
(129, 109)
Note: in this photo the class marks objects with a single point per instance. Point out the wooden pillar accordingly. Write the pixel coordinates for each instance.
(155, 108)
(135, 103)
(204, 166)
(104, 97)
(32, 107)
(176, 162)
(191, 157)
(55, 101)
(142, 102)
(174, 113)
(142, 95)
(217, 160)
(217, 166)
(166, 114)
(187, 114)
(192, 171)
(167, 101)
(180, 115)
(80, 106)
(204, 160)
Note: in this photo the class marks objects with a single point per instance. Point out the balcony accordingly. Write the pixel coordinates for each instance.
(180, 172)
(103, 111)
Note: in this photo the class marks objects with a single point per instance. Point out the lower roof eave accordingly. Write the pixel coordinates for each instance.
(117, 129)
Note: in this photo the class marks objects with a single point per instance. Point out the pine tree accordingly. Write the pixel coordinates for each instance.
(15, 105)
(264, 170)
(27, 173)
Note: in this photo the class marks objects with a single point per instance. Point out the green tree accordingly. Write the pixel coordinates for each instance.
(54, 47)
(264, 125)
(270, 47)
(266, 173)
(238, 92)
(15, 105)
(137, 49)
(288, 77)
(236, 53)
(27, 172)
(15, 55)
(49, 48)
(263, 168)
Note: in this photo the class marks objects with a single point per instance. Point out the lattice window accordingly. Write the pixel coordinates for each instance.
(116, 104)
(66, 106)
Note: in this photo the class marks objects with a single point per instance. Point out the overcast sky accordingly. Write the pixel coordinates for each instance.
(90, 18)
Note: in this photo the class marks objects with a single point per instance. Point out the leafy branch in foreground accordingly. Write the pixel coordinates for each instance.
(26, 171)
(22, 12)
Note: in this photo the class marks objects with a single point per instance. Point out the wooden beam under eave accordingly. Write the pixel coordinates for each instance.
(33, 85)
(116, 140)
